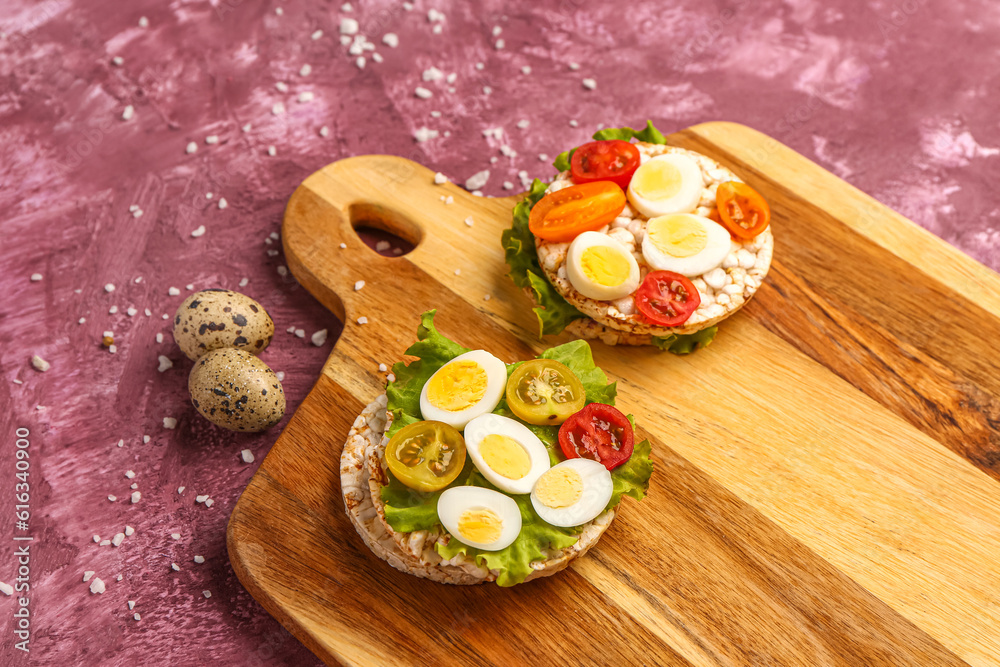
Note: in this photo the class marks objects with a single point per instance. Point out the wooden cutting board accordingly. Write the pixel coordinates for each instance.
(826, 485)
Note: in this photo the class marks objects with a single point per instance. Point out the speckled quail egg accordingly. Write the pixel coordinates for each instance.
(234, 389)
(217, 318)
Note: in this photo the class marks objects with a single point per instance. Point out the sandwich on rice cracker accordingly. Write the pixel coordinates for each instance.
(639, 243)
(469, 469)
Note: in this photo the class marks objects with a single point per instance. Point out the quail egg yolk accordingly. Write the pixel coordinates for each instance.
(657, 180)
(677, 235)
(605, 266)
(505, 456)
(559, 487)
(457, 386)
(480, 525)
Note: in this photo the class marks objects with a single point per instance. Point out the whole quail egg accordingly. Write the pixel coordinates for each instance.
(217, 318)
(235, 390)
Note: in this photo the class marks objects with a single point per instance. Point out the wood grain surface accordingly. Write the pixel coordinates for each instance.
(826, 483)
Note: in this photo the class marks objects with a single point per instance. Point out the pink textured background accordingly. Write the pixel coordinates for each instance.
(898, 98)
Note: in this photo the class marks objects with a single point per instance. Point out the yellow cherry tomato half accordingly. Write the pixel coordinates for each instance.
(426, 456)
(544, 392)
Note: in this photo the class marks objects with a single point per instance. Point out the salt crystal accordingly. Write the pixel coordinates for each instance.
(432, 74)
(422, 134)
(200, 499)
(390, 39)
(434, 16)
(278, 108)
(117, 61)
(223, 203)
(169, 422)
(449, 200)
(487, 297)
(81, 320)
(499, 44)
(306, 96)
(362, 320)
(319, 338)
(97, 538)
(247, 456)
(497, 30)
(382, 368)
(526, 69)
(523, 124)
(589, 84)
(477, 180)
(87, 575)
(121, 443)
(437, 29)
(40, 364)
(128, 112)
(360, 62)
(130, 474)
(207, 594)
(199, 559)
(209, 502)
(272, 151)
(507, 185)
(316, 35)
(382, 246)
(145, 439)
(212, 139)
(97, 586)
(198, 232)
(574, 66)
(390, 377)
(173, 291)
(377, 57)
(134, 486)
(247, 127)
(175, 567)
(306, 70)
(119, 578)
(132, 312)
(148, 312)
(191, 147)
(129, 531)
(136, 496)
(573, 123)
(109, 288)
(324, 131)
(281, 86)
(469, 221)
(131, 604)
(282, 271)
(343, 245)
(113, 309)
(280, 375)
(176, 536)
(118, 539)
(440, 179)
(136, 615)
(423, 93)
(301, 333)
(104, 543)
(358, 285)
(279, 11)
(243, 283)
(143, 22)
(159, 338)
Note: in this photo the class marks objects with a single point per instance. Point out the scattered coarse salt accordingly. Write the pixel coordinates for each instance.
(382, 368)
(175, 567)
(191, 147)
(440, 179)
(452, 78)
(145, 439)
(278, 108)
(113, 309)
(117, 61)
(487, 90)
(574, 66)
(432, 74)
(109, 288)
(121, 443)
(247, 456)
(136, 615)
(434, 16)
(104, 543)
(523, 124)
(573, 123)
(316, 35)
(40, 364)
(306, 96)
(487, 297)
(129, 531)
(97, 586)
(449, 200)
(272, 151)
(390, 377)
(589, 84)
(390, 39)
(200, 499)
(143, 22)
(301, 333)
(360, 62)
(526, 69)
(119, 578)
(6, 588)
(423, 93)
(173, 291)
(480, 66)
(499, 44)
(131, 604)
(280, 375)
(81, 320)
(207, 594)
(345, 40)
(128, 112)
(243, 283)
(132, 312)
(362, 320)
(422, 134)
(343, 246)
(118, 539)
(477, 180)
(247, 127)
(165, 364)
(209, 502)
(469, 221)
(97, 538)
(377, 57)
(87, 575)
(290, 330)
(305, 70)
(199, 559)
(212, 139)
(507, 185)
(223, 203)
(169, 422)
(319, 338)
(130, 474)
(458, 272)
(198, 232)
(497, 30)
(437, 29)
(136, 497)
(176, 536)
(281, 86)
(324, 131)
(148, 312)
(134, 486)
(382, 246)
(159, 338)
(348, 26)
(358, 285)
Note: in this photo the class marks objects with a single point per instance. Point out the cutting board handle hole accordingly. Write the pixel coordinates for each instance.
(375, 223)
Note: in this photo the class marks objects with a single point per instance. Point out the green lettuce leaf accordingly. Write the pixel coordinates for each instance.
(578, 356)
(632, 477)
(553, 311)
(686, 343)
(649, 134)
(563, 160)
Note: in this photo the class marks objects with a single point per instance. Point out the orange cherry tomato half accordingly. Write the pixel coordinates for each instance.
(613, 160)
(742, 210)
(599, 432)
(565, 214)
(667, 298)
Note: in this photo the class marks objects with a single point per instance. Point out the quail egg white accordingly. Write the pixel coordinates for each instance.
(506, 452)
(572, 493)
(479, 517)
(469, 385)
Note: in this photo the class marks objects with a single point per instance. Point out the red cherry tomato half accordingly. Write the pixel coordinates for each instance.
(742, 210)
(613, 161)
(667, 298)
(599, 432)
(565, 214)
